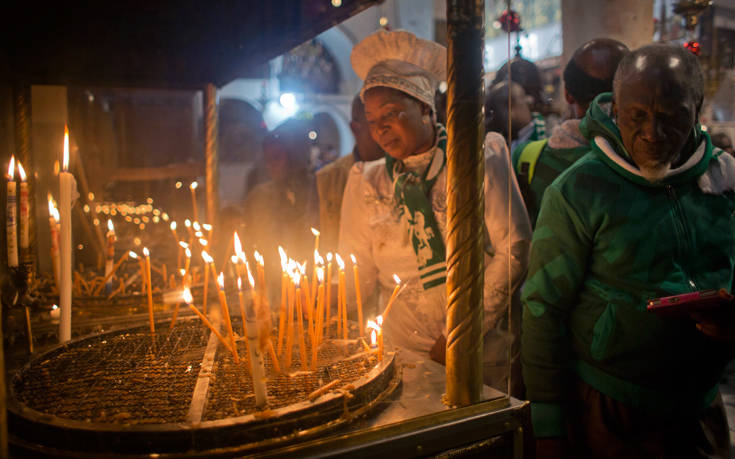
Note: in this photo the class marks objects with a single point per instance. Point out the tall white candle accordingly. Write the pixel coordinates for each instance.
(11, 216)
(109, 255)
(66, 183)
(53, 223)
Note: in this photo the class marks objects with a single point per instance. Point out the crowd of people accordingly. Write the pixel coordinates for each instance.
(626, 200)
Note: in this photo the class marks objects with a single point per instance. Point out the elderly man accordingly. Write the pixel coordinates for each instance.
(647, 212)
(537, 163)
(332, 178)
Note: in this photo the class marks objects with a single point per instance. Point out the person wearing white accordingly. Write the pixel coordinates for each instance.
(394, 210)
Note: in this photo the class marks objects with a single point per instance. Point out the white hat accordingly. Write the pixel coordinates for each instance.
(402, 61)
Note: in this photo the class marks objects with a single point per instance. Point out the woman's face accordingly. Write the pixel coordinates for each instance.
(400, 124)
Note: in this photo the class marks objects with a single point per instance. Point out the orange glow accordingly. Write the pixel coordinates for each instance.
(221, 280)
(21, 172)
(11, 168)
(65, 159)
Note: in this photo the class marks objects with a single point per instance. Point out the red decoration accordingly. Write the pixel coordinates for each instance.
(693, 46)
(510, 21)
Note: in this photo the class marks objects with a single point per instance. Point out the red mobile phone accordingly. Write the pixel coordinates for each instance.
(681, 305)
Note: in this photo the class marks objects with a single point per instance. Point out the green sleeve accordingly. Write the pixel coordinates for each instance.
(559, 253)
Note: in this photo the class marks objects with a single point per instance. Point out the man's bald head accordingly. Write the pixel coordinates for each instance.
(590, 71)
(672, 66)
(657, 95)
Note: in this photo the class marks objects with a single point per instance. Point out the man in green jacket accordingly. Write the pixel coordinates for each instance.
(648, 212)
(538, 162)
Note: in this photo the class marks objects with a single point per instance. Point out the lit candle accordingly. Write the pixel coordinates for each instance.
(12, 217)
(208, 228)
(328, 289)
(53, 222)
(173, 227)
(256, 355)
(289, 314)
(393, 296)
(341, 299)
(379, 320)
(316, 233)
(309, 303)
(110, 256)
(149, 288)
(193, 188)
(284, 293)
(261, 272)
(358, 296)
(108, 277)
(376, 335)
(241, 301)
(226, 314)
(66, 185)
(239, 254)
(209, 261)
(300, 323)
(319, 317)
(25, 233)
(187, 224)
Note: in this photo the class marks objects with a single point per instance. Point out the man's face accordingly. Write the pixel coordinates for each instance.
(396, 122)
(655, 115)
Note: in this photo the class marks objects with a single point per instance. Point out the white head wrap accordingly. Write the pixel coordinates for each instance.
(402, 61)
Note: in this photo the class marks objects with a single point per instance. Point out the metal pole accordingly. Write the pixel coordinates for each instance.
(210, 152)
(465, 200)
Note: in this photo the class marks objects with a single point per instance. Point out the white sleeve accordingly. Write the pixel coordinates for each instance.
(355, 238)
(510, 237)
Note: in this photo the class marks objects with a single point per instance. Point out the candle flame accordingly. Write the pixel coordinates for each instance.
(329, 257)
(133, 254)
(65, 159)
(372, 324)
(196, 226)
(207, 227)
(187, 251)
(320, 274)
(21, 172)
(340, 262)
(187, 223)
(397, 279)
(296, 278)
(234, 259)
(207, 258)
(109, 226)
(237, 244)
(146, 252)
(373, 338)
(259, 258)
(315, 232)
(379, 319)
(183, 245)
(250, 276)
(239, 283)
(182, 271)
(52, 210)
(316, 256)
(354, 260)
(203, 242)
(173, 226)
(11, 168)
(188, 299)
(193, 185)
(199, 234)
(221, 280)
(284, 258)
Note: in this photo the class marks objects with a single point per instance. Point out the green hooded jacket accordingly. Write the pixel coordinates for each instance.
(606, 241)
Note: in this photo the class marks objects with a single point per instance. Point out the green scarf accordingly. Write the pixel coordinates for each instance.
(539, 127)
(411, 192)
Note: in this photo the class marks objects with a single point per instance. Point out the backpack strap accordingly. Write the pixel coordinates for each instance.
(526, 164)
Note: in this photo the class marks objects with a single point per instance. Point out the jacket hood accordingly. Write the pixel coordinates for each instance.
(604, 137)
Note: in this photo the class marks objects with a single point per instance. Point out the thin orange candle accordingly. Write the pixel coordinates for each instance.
(309, 305)
(393, 296)
(358, 296)
(289, 318)
(319, 317)
(147, 255)
(341, 297)
(300, 324)
(316, 233)
(328, 289)
(189, 299)
(193, 188)
(241, 300)
(284, 292)
(226, 314)
(379, 320)
(209, 261)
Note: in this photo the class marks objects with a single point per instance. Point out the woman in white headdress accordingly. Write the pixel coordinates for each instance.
(394, 210)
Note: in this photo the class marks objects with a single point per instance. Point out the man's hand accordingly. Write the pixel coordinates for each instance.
(718, 324)
(438, 352)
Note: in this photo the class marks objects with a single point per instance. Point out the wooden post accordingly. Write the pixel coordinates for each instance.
(211, 157)
(465, 200)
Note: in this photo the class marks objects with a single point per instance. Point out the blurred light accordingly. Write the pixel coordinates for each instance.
(443, 87)
(91, 196)
(312, 135)
(288, 101)
(179, 185)
(137, 241)
(80, 247)
(383, 21)
(149, 200)
(86, 208)
(336, 3)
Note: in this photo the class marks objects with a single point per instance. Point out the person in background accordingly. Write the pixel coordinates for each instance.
(282, 210)
(523, 125)
(394, 214)
(537, 163)
(722, 140)
(647, 213)
(332, 178)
